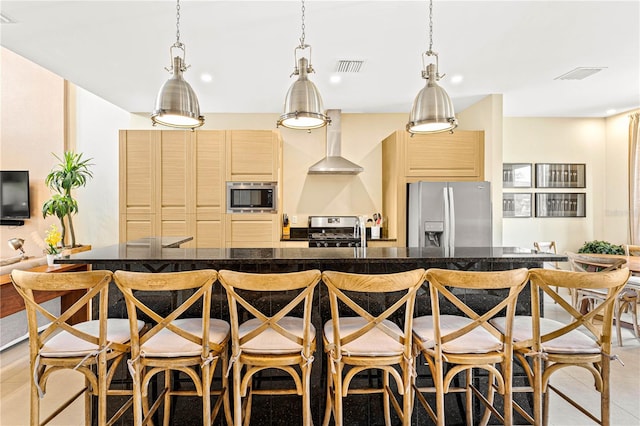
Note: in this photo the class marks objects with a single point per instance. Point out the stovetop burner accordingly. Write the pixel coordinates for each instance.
(333, 231)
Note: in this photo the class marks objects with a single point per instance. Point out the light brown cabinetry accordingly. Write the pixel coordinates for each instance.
(253, 156)
(438, 157)
(252, 230)
(172, 183)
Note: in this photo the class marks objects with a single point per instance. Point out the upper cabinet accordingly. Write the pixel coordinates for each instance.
(457, 156)
(253, 155)
(438, 157)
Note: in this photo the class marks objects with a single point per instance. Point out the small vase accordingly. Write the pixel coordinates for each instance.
(50, 259)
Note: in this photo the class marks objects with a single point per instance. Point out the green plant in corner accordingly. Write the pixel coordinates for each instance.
(70, 173)
(601, 247)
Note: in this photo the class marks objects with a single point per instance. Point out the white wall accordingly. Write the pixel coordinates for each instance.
(96, 136)
(615, 223)
(559, 140)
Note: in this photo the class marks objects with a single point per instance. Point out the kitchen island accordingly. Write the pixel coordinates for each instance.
(285, 410)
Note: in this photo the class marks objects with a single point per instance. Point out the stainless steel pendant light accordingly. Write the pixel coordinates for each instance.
(303, 107)
(177, 104)
(432, 110)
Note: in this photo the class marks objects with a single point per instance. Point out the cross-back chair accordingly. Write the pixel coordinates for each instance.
(175, 342)
(627, 299)
(94, 348)
(467, 341)
(544, 346)
(357, 340)
(270, 337)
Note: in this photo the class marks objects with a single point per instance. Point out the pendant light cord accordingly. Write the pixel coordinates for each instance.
(430, 26)
(178, 23)
(302, 36)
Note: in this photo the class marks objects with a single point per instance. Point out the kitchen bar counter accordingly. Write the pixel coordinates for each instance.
(360, 410)
(401, 258)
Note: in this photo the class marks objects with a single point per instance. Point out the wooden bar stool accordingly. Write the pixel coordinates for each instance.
(176, 341)
(358, 340)
(93, 348)
(467, 341)
(579, 342)
(280, 338)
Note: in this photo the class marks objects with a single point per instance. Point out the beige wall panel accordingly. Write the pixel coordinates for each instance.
(208, 213)
(178, 213)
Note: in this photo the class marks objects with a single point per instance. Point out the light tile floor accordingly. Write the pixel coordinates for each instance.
(625, 384)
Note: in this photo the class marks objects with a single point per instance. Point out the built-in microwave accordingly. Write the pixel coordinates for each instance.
(252, 197)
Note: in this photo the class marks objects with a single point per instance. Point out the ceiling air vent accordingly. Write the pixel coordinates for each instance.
(580, 73)
(349, 65)
(4, 19)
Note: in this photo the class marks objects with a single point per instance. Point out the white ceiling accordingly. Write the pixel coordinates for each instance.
(117, 50)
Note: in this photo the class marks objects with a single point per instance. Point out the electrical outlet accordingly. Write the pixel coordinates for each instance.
(294, 219)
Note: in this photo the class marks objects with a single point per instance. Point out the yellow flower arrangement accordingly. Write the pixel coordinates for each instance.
(52, 239)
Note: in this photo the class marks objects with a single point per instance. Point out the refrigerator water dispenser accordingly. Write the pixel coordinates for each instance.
(433, 233)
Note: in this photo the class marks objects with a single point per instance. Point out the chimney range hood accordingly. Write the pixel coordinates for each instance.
(333, 163)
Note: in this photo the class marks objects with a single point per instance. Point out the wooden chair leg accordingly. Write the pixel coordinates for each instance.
(225, 388)
(88, 404)
(329, 400)
(237, 396)
(605, 415)
(385, 398)
(469, 397)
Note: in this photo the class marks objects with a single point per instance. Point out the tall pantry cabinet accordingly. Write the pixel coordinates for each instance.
(172, 182)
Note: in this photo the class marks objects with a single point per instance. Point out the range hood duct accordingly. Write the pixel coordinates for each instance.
(333, 163)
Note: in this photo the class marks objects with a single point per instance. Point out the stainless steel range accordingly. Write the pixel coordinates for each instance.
(334, 231)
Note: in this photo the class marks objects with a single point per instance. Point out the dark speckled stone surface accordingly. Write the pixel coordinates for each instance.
(362, 410)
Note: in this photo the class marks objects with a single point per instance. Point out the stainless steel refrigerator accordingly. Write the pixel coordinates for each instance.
(449, 214)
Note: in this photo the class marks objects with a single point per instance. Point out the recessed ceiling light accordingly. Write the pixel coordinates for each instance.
(335, 79)
(611, 111)
(456, 79)
(206, 77)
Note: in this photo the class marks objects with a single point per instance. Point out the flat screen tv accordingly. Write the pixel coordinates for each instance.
(14, 194)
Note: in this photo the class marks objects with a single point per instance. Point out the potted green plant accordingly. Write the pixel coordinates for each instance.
(70, 173)
(601, 247)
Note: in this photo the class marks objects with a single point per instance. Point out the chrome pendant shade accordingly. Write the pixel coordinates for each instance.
(303, 108)
(432, 110)
(177, 104)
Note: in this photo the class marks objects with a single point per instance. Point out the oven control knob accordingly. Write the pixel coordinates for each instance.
(318, 244)
(350, 245)
(337, 244)
(326, 244)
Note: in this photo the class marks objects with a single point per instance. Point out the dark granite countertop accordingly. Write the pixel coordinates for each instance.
(135, 253)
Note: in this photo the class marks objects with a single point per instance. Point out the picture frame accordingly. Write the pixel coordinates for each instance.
(517, 175)
(517, 204)
(561, 204)
(560, 175)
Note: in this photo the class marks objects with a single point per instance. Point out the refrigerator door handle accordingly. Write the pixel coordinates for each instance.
(452, 220)
(447, 225)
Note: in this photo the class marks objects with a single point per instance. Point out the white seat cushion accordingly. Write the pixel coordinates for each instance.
(65, 344)
(167, 344)
(270, 341)
(375, 342)
(477, 341)
(574, 342)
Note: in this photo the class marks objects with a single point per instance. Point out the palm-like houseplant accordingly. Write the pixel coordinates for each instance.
(70, 173)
